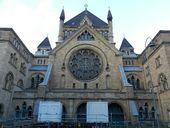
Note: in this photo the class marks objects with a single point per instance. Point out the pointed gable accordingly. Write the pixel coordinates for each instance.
(125, 44)
(45, 43)
(96, 22)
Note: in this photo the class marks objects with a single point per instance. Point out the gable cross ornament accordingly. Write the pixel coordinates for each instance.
(85, 6)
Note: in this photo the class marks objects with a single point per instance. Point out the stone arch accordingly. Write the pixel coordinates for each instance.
(9, 81)
(116, 113)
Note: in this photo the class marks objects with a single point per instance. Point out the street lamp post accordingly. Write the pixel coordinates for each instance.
(151, 44)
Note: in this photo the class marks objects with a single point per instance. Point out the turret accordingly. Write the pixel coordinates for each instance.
(61, 33)
(43, 48)
(127, 49)
(110, 34)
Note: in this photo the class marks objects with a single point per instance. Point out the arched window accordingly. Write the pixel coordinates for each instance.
(24, 109)
(17, 112)
(134, 80)
(153, 113)
(85, 36)
(1, 110)
(29, 111)
(36, 79)
(9, 79)
(162, 81)
(146, 110)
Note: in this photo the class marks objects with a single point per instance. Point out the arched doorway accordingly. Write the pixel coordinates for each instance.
(115, 113)
(81, 112)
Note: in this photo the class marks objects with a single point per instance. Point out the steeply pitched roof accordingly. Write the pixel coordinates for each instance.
(125, 44)
(96, 22)
(62, 15)
(45, 43)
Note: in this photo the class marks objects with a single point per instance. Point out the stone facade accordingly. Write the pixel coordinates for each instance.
(121, 76)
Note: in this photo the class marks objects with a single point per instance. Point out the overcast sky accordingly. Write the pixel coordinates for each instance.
(135, 20)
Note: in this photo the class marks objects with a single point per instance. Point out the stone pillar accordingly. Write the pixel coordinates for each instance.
(61, 33)
(41, 92)
(110, 34)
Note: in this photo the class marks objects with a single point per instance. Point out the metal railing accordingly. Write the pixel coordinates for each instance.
(69, 122)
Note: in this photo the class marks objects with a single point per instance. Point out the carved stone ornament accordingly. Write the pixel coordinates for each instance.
(85, 64)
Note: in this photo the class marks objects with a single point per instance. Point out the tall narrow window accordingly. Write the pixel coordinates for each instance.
(63, 81)
(24, 109)
(17, 112)
(29, 111)
(1, 110)
(140, 112)
(137, 84)
(133, 81)
(146, 110)
(108, 81)
(32, 82)
(152, 112)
